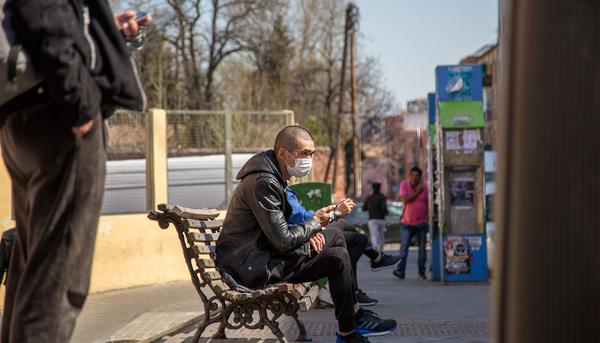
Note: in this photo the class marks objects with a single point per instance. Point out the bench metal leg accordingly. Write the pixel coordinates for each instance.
(272, 324)
(302, 334)
(199, 332)
(220, 334)
(277, 332)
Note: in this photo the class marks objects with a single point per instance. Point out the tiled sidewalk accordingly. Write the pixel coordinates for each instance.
(425, 311)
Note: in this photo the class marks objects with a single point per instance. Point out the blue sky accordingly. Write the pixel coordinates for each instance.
(411, 37)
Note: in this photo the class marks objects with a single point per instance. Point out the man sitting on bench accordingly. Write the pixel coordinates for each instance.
(257, 247)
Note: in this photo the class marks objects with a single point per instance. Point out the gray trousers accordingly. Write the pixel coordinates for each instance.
(58, 182)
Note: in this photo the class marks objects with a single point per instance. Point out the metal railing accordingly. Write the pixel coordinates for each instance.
(125, 187)
(147, 148)
(193, 132)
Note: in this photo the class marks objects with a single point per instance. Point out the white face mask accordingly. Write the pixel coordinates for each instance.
(301, 166)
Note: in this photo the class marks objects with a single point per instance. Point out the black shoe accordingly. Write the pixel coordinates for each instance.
(364, 299)
(370, 324)
(351, 338)
(385, 262)
(399, 274)
(422, 276)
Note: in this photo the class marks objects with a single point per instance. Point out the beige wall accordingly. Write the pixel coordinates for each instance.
(5, 198)
(132, 251)
(5, 209)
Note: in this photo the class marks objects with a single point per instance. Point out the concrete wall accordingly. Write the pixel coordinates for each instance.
(133, 251)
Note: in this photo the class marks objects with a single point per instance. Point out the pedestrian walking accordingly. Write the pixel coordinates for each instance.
(376, 205)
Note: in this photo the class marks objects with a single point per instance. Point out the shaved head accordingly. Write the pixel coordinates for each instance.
(290, 138)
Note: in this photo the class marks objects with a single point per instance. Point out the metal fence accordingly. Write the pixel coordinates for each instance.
(125, 189)
(207, 148)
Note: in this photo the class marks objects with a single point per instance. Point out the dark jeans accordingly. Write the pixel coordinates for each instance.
(334, 263)
(406, 234)
(58, 182)
(357, 245)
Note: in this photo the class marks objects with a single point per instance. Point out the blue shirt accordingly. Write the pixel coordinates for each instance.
(299, 213)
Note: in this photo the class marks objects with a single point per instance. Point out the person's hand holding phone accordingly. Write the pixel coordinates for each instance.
(129, 22)
(345, 206)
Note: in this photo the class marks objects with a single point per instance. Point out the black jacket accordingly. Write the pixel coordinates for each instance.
(80, 54)
(256, 240)
(376, 204)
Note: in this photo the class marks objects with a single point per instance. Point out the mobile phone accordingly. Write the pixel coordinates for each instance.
(139, 16)
(339, 202)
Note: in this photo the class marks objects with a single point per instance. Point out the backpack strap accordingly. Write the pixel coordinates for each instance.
(12, 60)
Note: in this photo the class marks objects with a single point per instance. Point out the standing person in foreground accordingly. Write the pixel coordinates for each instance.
(258, 247)
(414, 221)
(52, 144)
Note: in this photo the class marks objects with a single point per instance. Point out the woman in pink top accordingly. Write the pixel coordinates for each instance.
(414, 221)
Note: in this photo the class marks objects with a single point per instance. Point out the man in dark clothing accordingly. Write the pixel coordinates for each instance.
(376, 204)
(258, 247)
(53, 146)
(356, 242)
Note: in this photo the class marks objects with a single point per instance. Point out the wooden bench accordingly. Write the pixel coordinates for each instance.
(198, 231)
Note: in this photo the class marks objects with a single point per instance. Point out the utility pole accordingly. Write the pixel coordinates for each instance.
(350, 9)
(356, 171)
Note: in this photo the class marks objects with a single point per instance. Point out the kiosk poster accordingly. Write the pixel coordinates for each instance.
(463, 141)
(460, 83)
(458, 255)
(462, 190)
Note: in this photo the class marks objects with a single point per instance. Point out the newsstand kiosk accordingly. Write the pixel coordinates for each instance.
(458, 233)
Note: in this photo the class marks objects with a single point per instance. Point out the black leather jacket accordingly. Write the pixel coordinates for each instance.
(256, 240)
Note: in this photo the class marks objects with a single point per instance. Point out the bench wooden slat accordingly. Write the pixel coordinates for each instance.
(204, 224)
(265, 291)
(191, 213)
(307, 302)
(212, 275)
(300, 290)
(203, 237)
(236, 296)
(203, 249)
(285, 287)
(206, 263)
(220, 286)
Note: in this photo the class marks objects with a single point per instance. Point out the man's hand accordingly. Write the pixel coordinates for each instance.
(128, 25)
(324, 215)
(317, 242)
(80, 131)
(418, 188)
(345, 206)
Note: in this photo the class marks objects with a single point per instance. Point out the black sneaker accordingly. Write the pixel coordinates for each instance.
(399, 274)
(364, 299)
(422, 276)
(385, 262)
(351, 338)
(370, 324)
